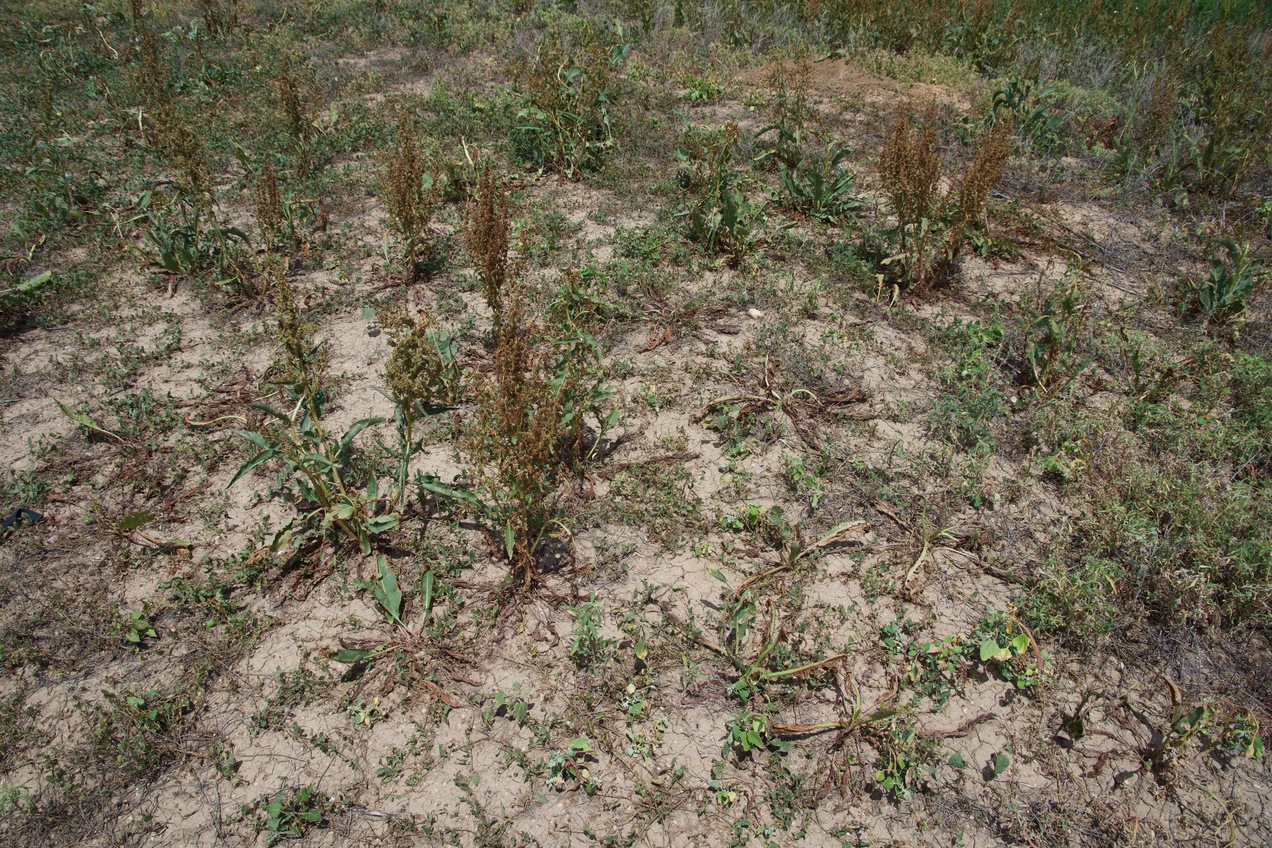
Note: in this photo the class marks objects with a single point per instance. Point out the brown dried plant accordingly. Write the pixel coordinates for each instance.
(565, 125)
(167, 129)
(486, 238)
(174, 135)
(932, 225)
(911, 171)
(981, 176)
(789, 111)
(422, 369)
(268, 207)
(517, 433)
(1156, 118)
(411, 196)
(305, 364)
(297, 114)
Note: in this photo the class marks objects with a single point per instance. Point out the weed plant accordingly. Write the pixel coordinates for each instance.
(296, 112)
(564, 122)
(487, 237)
(411, 196)
(314, 463)
(529, 425)
(932, 225)
(1231, 279)
(719, 216)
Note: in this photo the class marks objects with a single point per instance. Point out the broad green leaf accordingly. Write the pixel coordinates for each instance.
(32, 284)
(386, 590)
(382, 523)
(255, 438)
(455, 493)
(133, 520)
(426, 591)
(350, 656)
(957, 761)
(718, 575)
(354, 429)
(263, 456)
(1001, 762)
(269, 410)
(988, 650)
(85, 420)
(318, 460)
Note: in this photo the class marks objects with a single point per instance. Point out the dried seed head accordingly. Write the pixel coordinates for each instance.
(487, 235)
(296, 113)
(910, 168)
(305, 365)
(983, 173)
(410, 193)
(269, 213)
(422, 367)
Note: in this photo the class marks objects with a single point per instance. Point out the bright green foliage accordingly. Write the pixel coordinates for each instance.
(564, 122)
(720, 217)
(822, 186)
(906, 758)
(1224, 293)
(292, 812)
(588, 648)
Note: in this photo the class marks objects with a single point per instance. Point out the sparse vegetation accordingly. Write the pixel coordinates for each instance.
(535, 424)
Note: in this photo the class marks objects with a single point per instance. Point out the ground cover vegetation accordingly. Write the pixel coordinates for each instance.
(501, 423)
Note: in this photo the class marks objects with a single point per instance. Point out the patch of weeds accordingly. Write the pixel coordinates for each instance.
(1176, 531)
(317, 466)
(932, 225)
(972, 397)
(931, 670)
(210, 598)
(1005, 645)
(701, 88)
(17, 727)
(999, 644)
(1230, 281)
(750, 731)
(719, 216)
(906, 759)
(295, 689)
(588, 648)
(803, 477)
(514, 707)
(140, 413)
(1051, 335)
(14, 800)
(657, 495)
(1251, 389)
(570, 767)
(296, 112)
(290, 813)
(1213, 725)
(1074, 597)
(137, 732)
(564, 121)
(134, 628)
(822, 186)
